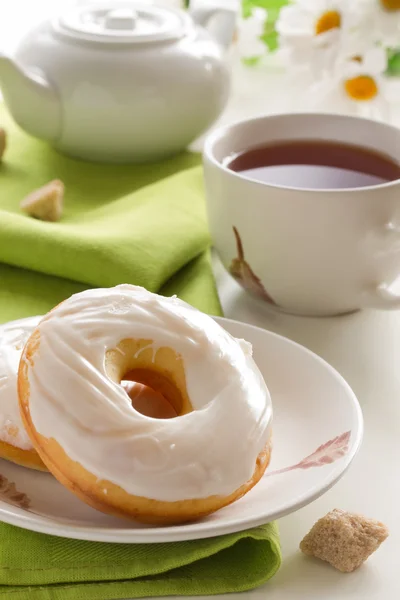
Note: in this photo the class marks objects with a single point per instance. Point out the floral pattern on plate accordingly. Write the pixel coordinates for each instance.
(325, 454)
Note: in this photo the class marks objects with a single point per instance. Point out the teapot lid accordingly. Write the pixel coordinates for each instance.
(122, 22)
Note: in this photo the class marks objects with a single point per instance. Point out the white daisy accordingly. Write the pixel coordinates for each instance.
(250, 30)
(358, 85)
(310, 32)
(382, 20)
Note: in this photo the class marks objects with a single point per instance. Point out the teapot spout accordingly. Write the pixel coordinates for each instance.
(31, 99)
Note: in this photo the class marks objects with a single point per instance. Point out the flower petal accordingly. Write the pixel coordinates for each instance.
(294, 20)
(375, 60)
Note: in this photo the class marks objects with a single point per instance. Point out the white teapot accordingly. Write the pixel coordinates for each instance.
(120, 81)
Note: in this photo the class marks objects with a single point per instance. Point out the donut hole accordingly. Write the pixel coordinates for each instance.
(148, 402)
(153, 377)
(152, 394)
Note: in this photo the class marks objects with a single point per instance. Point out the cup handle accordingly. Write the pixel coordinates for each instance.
(382, 297)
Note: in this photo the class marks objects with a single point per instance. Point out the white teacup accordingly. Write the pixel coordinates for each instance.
(307, 251)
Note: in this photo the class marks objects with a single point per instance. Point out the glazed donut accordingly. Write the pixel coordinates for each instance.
(83, 425)
(15, 444)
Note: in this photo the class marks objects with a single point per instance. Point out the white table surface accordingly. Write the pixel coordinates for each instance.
(364, 348)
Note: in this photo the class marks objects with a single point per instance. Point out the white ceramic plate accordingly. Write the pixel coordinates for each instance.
(317, 431)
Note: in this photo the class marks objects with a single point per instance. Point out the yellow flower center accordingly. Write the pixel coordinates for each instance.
(361, 88)
(391, 4)
(327, 21)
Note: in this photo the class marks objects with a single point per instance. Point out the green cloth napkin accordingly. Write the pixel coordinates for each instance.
(134, 224)
(41, 567)
(144, 225)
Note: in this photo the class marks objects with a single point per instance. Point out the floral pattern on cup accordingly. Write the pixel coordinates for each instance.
(243, 273)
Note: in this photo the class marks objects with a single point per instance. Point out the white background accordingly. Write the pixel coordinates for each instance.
(364, 347)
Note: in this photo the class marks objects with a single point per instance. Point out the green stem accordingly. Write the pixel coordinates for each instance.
(394, 63)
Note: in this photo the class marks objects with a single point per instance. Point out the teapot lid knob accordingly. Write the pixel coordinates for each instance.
(119, 21)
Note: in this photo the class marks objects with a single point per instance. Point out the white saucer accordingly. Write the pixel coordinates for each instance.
(313, 407)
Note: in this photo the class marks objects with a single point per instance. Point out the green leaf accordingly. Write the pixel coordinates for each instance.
(394, 64)
(247, 8)
(272, 6)
(270, 39)
(267, 4)
(270, 36)
(251, 61)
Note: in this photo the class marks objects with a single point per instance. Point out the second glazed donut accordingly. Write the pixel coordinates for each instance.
(15, 444)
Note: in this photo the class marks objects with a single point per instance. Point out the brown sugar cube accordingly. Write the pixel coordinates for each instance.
(46, 203)
(3, 142)
(344, 540)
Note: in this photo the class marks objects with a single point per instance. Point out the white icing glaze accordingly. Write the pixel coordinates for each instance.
(211, 450)
(13, 337)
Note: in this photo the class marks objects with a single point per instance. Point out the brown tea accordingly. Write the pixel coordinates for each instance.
(315, 164)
